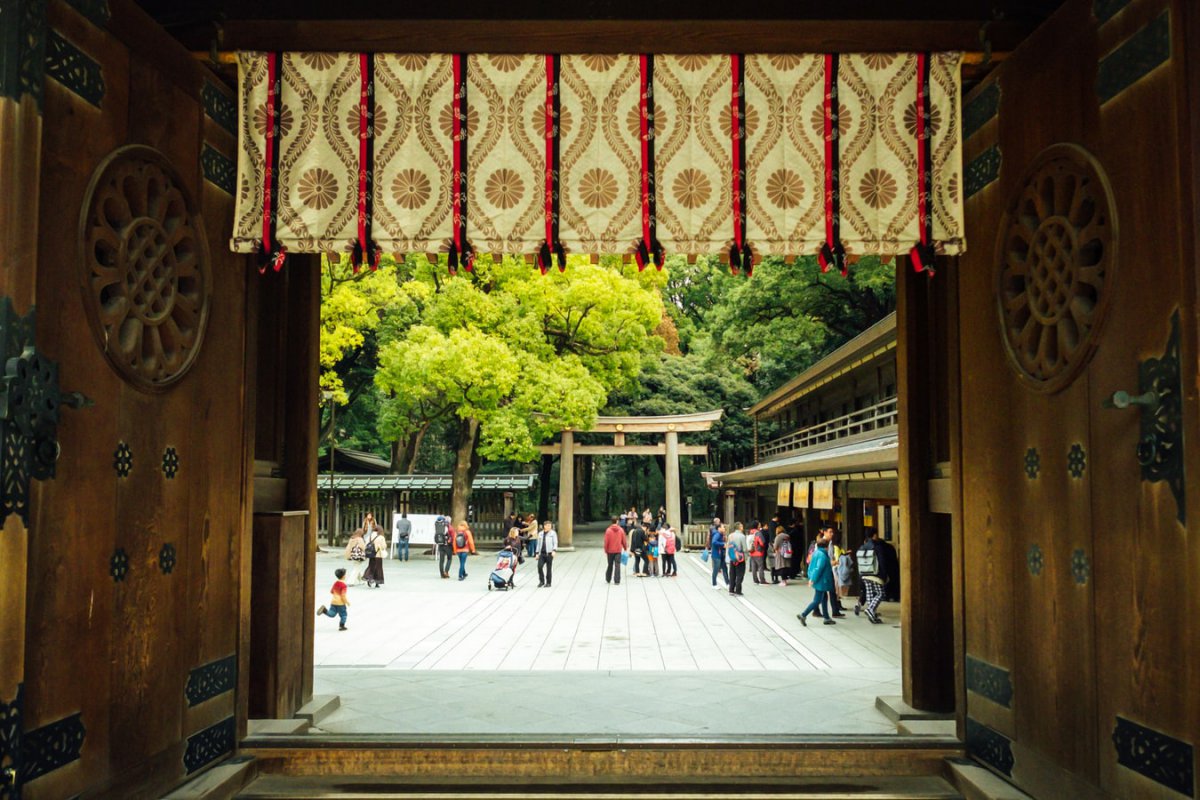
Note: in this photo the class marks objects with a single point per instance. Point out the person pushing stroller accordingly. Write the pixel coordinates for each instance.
(505, 570)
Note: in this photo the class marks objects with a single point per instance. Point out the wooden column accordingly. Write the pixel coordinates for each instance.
(566, 490)
(727, 510)
(926, 610)
(852, 518)
(300, 442)
(671, 481)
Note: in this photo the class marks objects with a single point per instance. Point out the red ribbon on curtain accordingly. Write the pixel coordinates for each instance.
(461, 253)
(922, 254)
(740, 256)
(552, 245)
(365, 251)
(271, 252)
(648, 250)
(832, 253)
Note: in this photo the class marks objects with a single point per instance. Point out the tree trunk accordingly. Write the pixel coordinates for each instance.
(466, 465)
(586, 509)
(406, 450)
(544, 488)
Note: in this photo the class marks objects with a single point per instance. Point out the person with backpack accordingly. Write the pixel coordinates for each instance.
(716, 553)
(820, 574)
(637, 545)
(781, 549)
(375, 550)
(442, 531)
(464, 545)
(870, 569)
(735, 554)
(758, 553)
(835, 554)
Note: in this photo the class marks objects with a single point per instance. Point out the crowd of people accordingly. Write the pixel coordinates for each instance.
(767, 549)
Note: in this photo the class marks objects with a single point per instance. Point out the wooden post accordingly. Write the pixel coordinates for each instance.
(671, 480)
(566, 490)
(727, 510)
(926, 610)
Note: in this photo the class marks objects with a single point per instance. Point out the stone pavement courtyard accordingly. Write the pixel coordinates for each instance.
(653, 656)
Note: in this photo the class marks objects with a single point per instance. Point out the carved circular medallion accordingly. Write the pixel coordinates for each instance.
(1056, 259)
(144, 267)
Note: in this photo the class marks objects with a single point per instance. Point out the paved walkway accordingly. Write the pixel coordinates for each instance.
(652, 656)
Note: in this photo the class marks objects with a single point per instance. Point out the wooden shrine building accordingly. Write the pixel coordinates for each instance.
(171, 172)
(835, 453)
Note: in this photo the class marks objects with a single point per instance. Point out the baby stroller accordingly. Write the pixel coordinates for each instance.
(501, 578)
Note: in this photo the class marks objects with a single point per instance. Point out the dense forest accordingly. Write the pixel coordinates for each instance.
(468, 373)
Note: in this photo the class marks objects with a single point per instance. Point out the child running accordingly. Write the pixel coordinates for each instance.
(337, 600)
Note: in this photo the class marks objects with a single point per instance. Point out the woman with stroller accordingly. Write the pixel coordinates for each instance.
(504, 573)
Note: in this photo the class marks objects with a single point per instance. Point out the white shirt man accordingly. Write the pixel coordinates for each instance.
(547, 546)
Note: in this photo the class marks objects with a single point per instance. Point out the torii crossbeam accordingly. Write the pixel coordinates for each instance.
(671, 449)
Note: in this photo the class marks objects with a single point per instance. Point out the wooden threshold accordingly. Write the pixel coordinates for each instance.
(579, 758)
(499, 787)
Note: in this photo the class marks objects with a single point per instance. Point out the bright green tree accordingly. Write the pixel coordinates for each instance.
(512, 356)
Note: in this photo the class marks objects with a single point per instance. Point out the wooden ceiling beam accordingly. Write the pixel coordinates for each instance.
(617, 36)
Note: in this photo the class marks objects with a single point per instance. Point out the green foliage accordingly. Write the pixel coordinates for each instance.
(524, 354)
(787, 316)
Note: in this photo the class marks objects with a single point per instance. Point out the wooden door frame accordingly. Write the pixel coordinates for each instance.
(20, 177)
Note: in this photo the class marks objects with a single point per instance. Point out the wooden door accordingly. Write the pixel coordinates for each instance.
(1078, 275)
(131, 620)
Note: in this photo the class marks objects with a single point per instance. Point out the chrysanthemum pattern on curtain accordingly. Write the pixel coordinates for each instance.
(600, 152)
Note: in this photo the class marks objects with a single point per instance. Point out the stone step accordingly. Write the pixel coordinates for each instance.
(277, 727)
(320, 707)
(222, 782)
(926, 727)
(979, 783)
(352, 787)
(894, 708)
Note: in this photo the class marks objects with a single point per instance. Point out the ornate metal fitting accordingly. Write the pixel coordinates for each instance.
(167, 558)
(1033, 463)
(118, 565)
(1160, 448)
(1036, 560)
(123, 460)
(1081, 567)
(170, 463)
(10, 745)
(30, 403)
(1076, 461)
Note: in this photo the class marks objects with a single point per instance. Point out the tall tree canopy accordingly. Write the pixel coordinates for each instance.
(512, 356)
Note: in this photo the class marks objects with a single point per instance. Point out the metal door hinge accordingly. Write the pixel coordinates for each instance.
(30, 403)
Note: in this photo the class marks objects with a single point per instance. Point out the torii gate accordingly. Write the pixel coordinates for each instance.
(671, 449)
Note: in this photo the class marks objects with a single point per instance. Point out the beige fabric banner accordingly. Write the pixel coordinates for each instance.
(600, 153)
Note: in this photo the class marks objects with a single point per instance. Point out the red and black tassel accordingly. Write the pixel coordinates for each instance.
(271, 253)
(922, 254)
(365, 252)
(648, 250)
(461, 253)
(552, 245)
(832, 253)
(740, 256)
